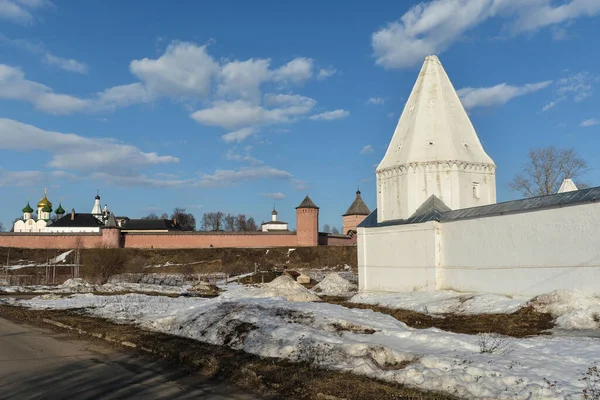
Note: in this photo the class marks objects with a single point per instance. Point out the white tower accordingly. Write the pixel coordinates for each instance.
(434, 150)
(97, 210)
(274, 214)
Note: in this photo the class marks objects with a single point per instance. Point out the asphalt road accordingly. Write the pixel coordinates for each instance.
(40, 364)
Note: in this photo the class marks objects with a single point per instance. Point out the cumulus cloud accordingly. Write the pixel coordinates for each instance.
(330, 115)
(74, 152)
(496, 95)
(432, 27)
(367, 149)
(14, 85)
(274, 196)
(21, 11)
(325, 73)
(589, 122)
(296, 71)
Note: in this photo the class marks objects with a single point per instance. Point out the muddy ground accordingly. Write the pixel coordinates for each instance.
(270, 378)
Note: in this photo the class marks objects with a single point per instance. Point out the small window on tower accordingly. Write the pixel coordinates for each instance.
(476, 190)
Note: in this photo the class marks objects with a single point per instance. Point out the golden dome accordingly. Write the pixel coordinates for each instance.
(44, 202)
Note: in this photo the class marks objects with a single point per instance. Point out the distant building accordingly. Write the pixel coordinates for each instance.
(75, 223)
(274, 225)
(356, 213)
(150, 225)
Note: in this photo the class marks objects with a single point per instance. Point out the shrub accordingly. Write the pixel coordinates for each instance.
(100, 263)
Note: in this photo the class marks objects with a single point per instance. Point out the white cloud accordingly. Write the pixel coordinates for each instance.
(223, 178)
(274, 196)
(74, 152)
(432, 27)
(232, 155)
(68, 64)
(241, 113)
(184, 70)
(122, 96)
(376, 100)
(296, 71)
(579, 85)
(238, 136)
(496, 95)
(14, 85)
(243, 78)
(21, 11)
(367, 149)
(325, 73)
(330, 115)
(552, 104)
(589, 122)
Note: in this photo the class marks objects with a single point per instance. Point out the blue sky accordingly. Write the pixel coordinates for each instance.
(234, 105)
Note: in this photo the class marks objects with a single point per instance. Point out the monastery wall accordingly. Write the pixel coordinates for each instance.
(400, 258)
(336, 240)
(525, 253)
(204, 240)
(39, 240)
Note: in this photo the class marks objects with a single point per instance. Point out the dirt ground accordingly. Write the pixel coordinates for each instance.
(216, 260)
(271, 378)
(522, 323)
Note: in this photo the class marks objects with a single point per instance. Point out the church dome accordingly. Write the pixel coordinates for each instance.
(47, 208)
(59, 210)
(27, 208)
(44, 202)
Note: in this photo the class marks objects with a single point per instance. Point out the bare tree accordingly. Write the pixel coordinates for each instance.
(151, 216)
(229, 222)
(241, 224)
(184, 219)
(213, 221)
(251, 225)
(335, 231)
(545, 170)
(102, 262)
(326, 228)
(1, 227)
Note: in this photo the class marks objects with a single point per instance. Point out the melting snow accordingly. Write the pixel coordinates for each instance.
(361, 341)
(334, 285)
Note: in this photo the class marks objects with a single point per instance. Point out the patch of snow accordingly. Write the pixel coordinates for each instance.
(443, 302)
(573, 309)
(290, 252)
(284, 287)
(60, 258)
(362, 341)
(334, 285)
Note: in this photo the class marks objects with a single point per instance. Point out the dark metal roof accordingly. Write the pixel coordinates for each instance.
(80, 221)
(358, 206)
(557, 200)
(307, 203)
(274, 223)
(150, 225)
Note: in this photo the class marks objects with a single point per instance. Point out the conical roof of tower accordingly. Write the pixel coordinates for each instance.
(307, 203)
(567, 186)
(434, 125)
(111, 222)
(358, 206)
(27, 208)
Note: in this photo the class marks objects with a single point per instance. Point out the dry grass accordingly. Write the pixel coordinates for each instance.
(522, 323)
(270, 378)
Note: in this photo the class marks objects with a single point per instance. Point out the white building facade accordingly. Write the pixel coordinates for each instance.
(438, 226)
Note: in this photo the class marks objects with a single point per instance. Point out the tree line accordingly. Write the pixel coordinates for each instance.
(211, 221)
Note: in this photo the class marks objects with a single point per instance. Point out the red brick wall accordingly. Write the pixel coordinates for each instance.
(336, 240)
(351, 222)
(203, 240)
(307, 226)
(50, 240)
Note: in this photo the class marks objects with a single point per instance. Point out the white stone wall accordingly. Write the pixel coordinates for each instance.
(516, 254)
(71, 230)
(524, 253)
(398, 258)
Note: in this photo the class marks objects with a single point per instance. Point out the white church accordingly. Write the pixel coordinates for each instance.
(74, 222)
(437, 224)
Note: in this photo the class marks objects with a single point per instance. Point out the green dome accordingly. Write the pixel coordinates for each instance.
(59, 210)
(47, 208)
(27, 208)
